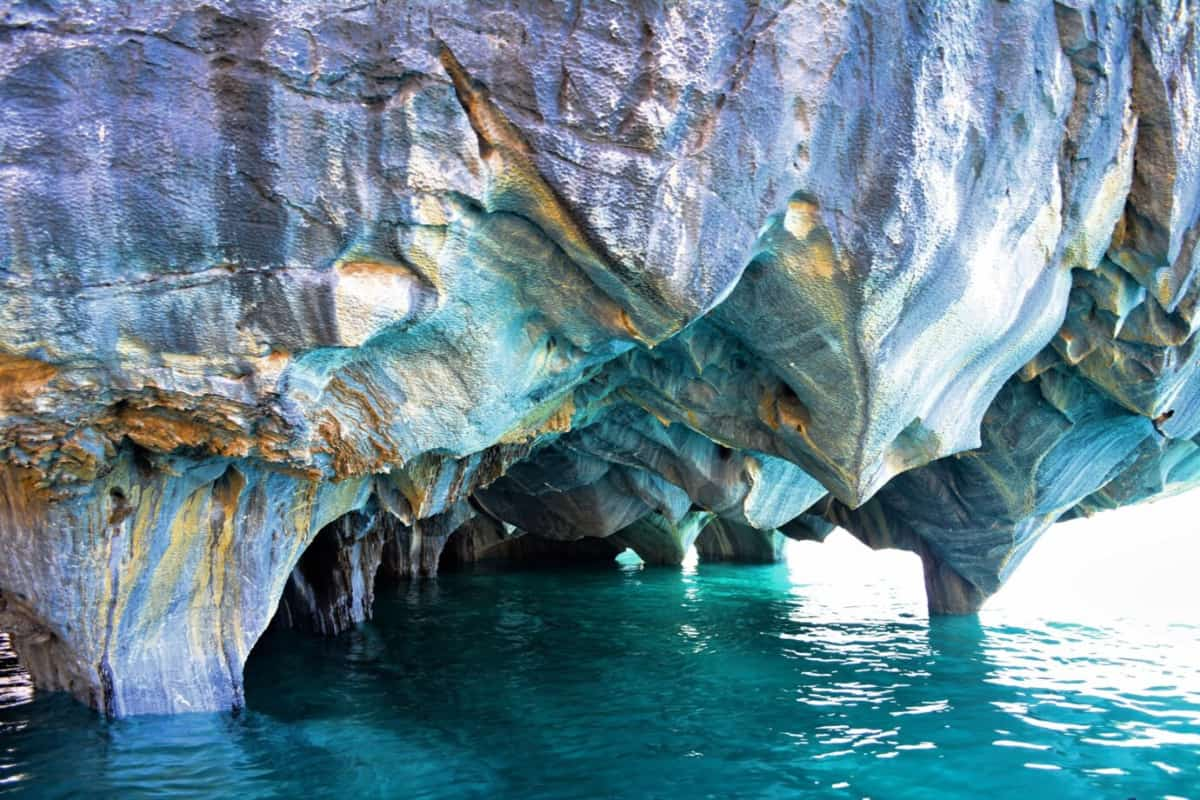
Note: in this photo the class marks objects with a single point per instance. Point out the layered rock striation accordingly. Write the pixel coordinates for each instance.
(297, 297)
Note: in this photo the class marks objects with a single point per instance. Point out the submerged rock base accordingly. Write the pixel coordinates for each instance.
(295, 300)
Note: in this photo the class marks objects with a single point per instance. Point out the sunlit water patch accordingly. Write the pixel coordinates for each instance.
(822, 675)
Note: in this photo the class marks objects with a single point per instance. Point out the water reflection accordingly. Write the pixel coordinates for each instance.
(15, 687)
(713, 680)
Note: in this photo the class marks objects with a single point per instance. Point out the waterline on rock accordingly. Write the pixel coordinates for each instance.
(641, 682)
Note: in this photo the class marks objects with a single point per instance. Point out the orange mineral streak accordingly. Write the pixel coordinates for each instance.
(779, 408)
(803, 221)
(23, 496)
(373, 268)
(55, 455)
(21, 380)
(165, 422)
(364, 406)
(345, 459)
(543, 421)
(767, 411)
(65, 455)
(166, 429)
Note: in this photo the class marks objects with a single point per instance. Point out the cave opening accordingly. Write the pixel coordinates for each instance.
(470, 544)
(725, 541)
(485, 544)
(330, 591)
(839, 572)
(16, 684)
(33, 656)
(331, 588)
(629, 558)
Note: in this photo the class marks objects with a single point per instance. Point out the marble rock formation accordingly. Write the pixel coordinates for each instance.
(298, 297)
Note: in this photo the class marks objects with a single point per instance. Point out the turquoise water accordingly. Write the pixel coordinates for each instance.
(711, 681)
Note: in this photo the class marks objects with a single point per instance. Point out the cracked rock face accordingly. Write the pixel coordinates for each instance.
(296, 298)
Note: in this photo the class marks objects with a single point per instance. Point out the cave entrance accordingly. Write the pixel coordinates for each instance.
(842, 572)
(629, 558)
(16, 684)
(332, 586)
(330, 590)
(485, 543)
(722, 540)
(31, 654)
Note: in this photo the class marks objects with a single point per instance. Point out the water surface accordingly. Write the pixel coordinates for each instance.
(711, 681)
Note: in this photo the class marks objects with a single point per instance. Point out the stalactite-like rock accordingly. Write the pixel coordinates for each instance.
(1047, 445)
(537, 283)
(415, 550)
(146, 589)
(332, 587)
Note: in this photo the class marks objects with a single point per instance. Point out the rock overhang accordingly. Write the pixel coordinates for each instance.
(388, 276)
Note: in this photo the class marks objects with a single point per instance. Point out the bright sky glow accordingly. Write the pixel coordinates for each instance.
(1140, 562)
(1136, 563)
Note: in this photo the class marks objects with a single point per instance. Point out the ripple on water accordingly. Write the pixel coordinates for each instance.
(715, 682)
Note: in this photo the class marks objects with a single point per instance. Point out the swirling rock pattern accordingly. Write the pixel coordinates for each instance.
(295, 297)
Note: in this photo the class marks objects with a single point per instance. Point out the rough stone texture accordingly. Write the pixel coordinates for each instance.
(1048, 445)
(147, 590)
(536, 282)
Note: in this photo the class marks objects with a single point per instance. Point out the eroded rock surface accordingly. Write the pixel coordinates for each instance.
(298, 297)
